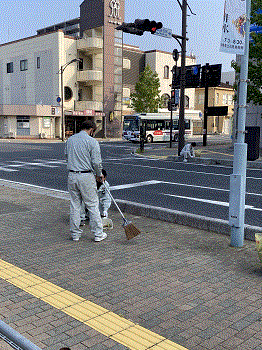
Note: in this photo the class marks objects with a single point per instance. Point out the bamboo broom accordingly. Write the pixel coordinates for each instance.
(130, 230)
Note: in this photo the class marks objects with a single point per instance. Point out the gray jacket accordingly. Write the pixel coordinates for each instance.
(83, 153)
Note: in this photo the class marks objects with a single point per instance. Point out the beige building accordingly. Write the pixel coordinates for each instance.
(30, 76)
(217, 96)
(161, 62)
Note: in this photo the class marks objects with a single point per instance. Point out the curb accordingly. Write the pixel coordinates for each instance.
(156, 213)
(213, 161)
(186, 219)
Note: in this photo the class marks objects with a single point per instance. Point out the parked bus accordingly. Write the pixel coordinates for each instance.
(157, 125)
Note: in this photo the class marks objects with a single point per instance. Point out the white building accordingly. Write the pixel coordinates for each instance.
(161, 62)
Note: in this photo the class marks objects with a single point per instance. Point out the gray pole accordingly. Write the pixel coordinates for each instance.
(171, 126)
(16, 337)
(238, 178)
(62, 105)
(181, 134)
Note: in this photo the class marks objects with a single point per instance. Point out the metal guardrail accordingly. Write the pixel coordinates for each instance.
(15, 339)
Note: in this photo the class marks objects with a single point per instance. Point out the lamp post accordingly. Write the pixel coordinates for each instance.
(61, 71)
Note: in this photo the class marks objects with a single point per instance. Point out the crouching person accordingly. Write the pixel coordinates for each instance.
(188, 151)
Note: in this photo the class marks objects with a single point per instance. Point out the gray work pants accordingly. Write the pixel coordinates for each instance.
(82, 186)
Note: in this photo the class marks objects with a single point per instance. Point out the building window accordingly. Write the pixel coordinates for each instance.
(68, 93)
(38, 62)
(23, 65)
(80, 64)
(186, 102)
(230, 99)
(225, 99)
(165, 98)
(166, 72)
(10, 67)
(201, 99)
(80, 95)
(217, 98)
(126, 63)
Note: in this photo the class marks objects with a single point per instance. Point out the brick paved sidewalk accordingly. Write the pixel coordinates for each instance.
(184, 284)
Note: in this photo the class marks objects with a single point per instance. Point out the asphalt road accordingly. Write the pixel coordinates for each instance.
(192, 188)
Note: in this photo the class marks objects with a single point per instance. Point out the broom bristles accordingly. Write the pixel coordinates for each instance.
(131, 231)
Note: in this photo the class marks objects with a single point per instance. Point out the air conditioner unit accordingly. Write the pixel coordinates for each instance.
(11, 134)
(42, 135)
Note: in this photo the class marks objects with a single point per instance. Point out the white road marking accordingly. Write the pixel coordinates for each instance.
(181, 170)
(65, 193)
(207, 188)
(21, 164)
(224, 204)
(136, 184)
(114, 159)
(7, 169)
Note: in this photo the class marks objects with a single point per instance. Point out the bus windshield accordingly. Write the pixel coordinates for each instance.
(130, 124)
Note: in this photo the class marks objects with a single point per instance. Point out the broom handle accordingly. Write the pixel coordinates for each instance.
(115, 202)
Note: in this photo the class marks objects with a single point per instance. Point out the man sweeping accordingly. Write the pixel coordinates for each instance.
(85, 167)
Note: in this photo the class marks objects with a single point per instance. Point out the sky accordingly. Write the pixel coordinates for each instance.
(22, 18)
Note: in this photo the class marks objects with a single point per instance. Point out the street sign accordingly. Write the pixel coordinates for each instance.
(165, 32)
(211, 75)
(192, 76)
(217, 111)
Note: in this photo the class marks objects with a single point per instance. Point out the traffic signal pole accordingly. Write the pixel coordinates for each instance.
(238, 178)
(181, 134)
(206, 104)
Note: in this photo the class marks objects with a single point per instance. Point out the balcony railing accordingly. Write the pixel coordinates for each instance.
(92, 76)
(86, 44)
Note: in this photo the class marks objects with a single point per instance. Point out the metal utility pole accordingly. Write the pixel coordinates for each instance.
(238, 178)
(206, 104)
(61, 71)
(181, 134)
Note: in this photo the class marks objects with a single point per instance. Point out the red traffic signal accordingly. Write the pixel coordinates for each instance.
(147, 25)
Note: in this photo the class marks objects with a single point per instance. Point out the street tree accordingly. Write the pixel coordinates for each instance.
(255, 58)
(146, 98)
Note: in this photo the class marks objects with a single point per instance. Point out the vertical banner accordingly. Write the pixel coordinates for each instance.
(234, 27)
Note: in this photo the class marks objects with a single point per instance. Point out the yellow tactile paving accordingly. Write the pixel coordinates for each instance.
(26, 280)
(167, 345)
(108, 323)
(4, 264)
(43, 289)
(85, 311)
(138, 338)
(62, 299)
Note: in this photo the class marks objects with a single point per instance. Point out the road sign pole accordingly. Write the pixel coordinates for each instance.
(206, 104)
(238, 178)
(171, 126)
(181, 134)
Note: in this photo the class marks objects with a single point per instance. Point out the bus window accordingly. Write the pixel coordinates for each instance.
(155, 125)
(187, 124)
(175, 124)
(130, 125)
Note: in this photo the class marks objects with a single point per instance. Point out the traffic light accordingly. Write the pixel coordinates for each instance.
(129, 28)
(147, 25)
(140, 26)
(174, 100)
